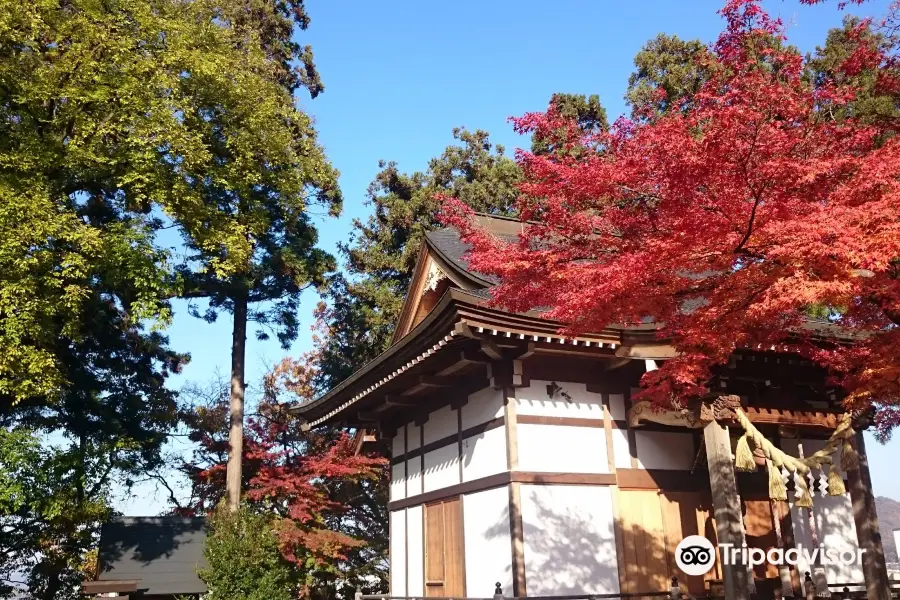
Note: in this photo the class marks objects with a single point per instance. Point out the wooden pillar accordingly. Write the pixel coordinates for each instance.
(726, 507)
(867, 532)
(516, 528)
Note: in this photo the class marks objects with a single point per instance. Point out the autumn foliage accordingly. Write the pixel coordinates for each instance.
(763, 200)
(303, 479)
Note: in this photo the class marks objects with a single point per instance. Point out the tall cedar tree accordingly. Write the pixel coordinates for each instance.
(272, 254)
(725, 222)
(356, 322)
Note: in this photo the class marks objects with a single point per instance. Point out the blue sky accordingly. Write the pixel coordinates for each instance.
(400, 75)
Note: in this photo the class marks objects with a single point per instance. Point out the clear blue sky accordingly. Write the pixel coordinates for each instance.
(399, 75)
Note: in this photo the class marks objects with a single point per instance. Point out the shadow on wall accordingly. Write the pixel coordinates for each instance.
(570, 548)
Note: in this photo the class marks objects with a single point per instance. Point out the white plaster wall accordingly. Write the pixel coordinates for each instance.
(484, 405)
(415, 564)
(664, 450)
(533, 400)
(836, 530)
(398, 445)
(617, 408)
(487, 542)
(414, 476)
(570, 546)
(398, 482)
(413, 437)
(833, 517)
(565, 449)
(484, 454)
(620, 448)
(441, 468)
(440, 424)
(398, 553)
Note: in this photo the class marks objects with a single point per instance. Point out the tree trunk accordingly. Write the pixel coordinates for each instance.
(236, 412)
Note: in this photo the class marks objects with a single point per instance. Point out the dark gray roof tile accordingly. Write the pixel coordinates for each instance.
(163, 553)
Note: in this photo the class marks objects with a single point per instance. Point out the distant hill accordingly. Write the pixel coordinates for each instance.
(888, 520)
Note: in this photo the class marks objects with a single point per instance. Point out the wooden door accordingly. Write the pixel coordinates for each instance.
(651, 523)
(759, 527)
(642, 567)
(444, 551)
(684, 514)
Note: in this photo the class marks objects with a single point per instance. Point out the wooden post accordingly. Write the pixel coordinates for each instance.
(726, 506)
(867, 532)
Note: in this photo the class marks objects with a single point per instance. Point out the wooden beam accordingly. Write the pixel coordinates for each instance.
(517, 538)
(796, 418)
(465, 359)
(399, 401)
(726, 506)
(527, 351)
(425, 382)
(491, 349)
(867, 531)
(369, 417)
(647, 351)
(615, 363)
(435, 381)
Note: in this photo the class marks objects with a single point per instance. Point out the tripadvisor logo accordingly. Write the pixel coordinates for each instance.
(695, 555)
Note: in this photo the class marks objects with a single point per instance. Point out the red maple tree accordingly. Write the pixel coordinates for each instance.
(307, 479)
(727, 222)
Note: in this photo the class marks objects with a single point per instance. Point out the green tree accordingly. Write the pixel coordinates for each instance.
(245, 562)
(586, 111)
(361, 309)
(119, 118)
(106, 428)
(668, 71)
(268, 170)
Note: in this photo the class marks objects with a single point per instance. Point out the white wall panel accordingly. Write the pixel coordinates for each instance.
(398, 482)
(570, 546)
(565, 449)
(441, 468)
(398, 445)
(533, 400)
(487, 542)
(413, 437)
(836, 530)
(484, 405)
(415, 564)
(617, 407)
(833, 520)
(414, 476)
(398, 553)
(441, 423)
(484, 454)
(664, 450)
(620, 448)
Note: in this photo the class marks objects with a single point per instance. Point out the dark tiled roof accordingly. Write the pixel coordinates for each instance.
(448, 244)
(163, 553)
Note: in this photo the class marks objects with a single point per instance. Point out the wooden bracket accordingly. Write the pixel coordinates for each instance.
(368, 417)
(400, 401)
(505, 374)
(491, 349)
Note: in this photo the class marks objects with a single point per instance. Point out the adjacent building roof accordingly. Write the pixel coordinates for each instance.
(162, 554)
